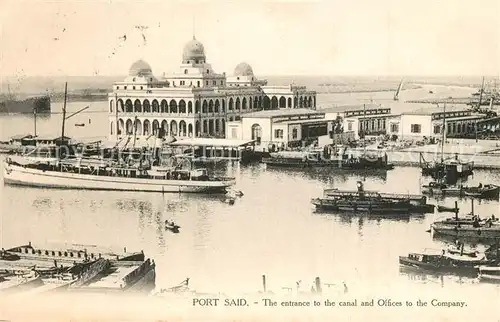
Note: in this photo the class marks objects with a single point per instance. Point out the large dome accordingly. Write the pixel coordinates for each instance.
(140, 68)
(243, 69)
(193, 51)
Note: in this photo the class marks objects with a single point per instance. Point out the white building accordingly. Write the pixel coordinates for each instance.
(367, 119)
(194, 101)
(281, 128)
(428, 122)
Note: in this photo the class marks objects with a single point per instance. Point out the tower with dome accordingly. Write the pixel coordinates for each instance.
(193, 101)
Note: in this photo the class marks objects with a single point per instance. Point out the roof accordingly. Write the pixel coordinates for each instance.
(345, 108)
(369, 116)
(211, 142)
(311, 121)
(461, 118)
(282, 112)
(433, 109)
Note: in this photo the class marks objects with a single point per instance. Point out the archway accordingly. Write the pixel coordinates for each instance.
(256, 132)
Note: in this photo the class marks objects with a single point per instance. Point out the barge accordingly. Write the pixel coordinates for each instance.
(371, 201)
(318, 159)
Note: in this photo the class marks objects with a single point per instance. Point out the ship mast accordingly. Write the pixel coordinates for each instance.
(481, 94)
(444, 133)
(64, 109)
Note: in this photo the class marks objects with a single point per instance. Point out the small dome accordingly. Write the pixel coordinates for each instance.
(243, 69)
(193, 50)
(140, 68)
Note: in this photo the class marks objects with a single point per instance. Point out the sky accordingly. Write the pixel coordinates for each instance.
(308, 37)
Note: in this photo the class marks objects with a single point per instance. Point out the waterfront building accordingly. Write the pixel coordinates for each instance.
(195, 101)
(361, 119)
(281, 128)
(427, 122)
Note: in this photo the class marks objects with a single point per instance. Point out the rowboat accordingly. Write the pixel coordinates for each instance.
(447, 209)
(172, 226)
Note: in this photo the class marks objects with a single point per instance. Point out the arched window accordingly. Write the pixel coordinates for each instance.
(256, 132)
(185, 71)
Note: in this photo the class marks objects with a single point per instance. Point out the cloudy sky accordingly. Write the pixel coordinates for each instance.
(351, 37)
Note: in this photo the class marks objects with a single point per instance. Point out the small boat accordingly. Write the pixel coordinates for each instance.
(431, 92)
(447, 209)
(444, 262)
(170, 225)
(476, 228)
(80, 124)
(489, 273)
(488, 191)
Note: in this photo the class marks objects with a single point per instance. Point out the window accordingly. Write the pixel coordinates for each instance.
(133, 87)
(222, 82)
(349, 126)
(416, 128)
(278, 134)
(394, 127)
(294, 134)
(215, 83)
(198, 83)
(206, 83)
(142, 87)
(437, 129)
(185, 71)
(208, 71)
(125, 87)
(117, 87)
(234, 133)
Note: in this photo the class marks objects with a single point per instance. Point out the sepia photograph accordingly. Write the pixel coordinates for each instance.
(266, 160)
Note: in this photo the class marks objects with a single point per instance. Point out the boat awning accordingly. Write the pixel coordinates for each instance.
(209, 142)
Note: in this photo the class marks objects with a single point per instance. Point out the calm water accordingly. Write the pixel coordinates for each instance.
(271, 230)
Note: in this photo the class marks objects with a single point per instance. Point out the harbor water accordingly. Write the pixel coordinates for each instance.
(272, 229)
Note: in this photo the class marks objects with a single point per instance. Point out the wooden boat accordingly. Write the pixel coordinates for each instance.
(488, 191)
(80, 124)
(315, 159)
(444, 262)
(71, 254)
(447, 209)
(19, 280)
(465, 228)
(371, 201)
(489, 273)
(170, 225)
(71, 174)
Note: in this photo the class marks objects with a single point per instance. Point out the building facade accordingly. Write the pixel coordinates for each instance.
(361, 119)
(281, 128)
(459, 121)
(195, 101)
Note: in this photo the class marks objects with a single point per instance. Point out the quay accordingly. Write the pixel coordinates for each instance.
(484, 154)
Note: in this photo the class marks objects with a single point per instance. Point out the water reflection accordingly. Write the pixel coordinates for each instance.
(440, 279)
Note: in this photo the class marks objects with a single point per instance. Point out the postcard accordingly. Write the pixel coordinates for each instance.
(249, 160)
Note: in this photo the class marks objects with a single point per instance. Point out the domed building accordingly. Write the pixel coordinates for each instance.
(194, 101)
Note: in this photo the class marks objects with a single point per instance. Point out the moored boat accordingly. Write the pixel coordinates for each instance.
(444, 262)
(447, 209)
(487, 191)
(318, 159)
(19, 280)
(106, 176)
(476, 228)
(371, 201)
(489, 273)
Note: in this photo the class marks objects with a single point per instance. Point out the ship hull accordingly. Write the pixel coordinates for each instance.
(437, 267)
(39, 104)
(467, 231)
(18, 175)
(371, 207)
(269, 162)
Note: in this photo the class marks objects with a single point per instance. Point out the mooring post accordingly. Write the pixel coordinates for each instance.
(264, 283)
(318, 285)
